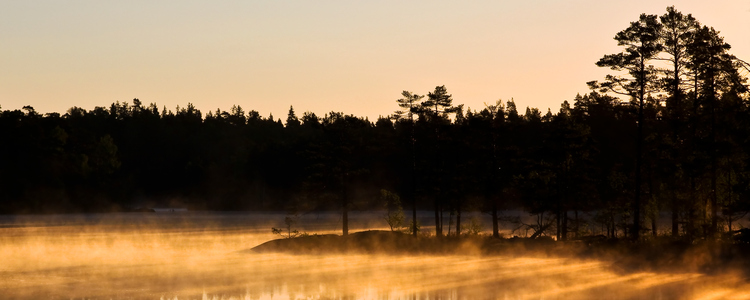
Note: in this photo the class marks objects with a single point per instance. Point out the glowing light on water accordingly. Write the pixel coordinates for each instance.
(156, 262)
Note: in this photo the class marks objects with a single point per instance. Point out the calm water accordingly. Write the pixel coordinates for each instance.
(204, 256)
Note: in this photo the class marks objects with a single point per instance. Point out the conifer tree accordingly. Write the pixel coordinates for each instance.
(713, 69)
(410, 104)
(677, 32)
(642, 43)
(291, 119)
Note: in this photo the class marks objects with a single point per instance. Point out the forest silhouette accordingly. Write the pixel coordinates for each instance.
(676, 141)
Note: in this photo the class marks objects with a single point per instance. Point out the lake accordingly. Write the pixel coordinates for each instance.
(204, 255)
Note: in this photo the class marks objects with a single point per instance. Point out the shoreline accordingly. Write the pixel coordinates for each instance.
(661, 255)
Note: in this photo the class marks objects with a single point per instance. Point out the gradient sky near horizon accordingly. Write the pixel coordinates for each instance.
(349, 56)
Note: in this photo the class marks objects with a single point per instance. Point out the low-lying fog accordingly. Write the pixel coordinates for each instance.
(204, 256)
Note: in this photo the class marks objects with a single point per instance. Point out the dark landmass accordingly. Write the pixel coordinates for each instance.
(372, 241)
(663, 255)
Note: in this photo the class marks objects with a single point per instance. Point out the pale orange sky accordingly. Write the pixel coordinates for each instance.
(350, 56)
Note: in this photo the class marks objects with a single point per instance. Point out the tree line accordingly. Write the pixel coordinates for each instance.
(676, 142)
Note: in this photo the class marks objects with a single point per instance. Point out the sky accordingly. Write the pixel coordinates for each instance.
(320, 56)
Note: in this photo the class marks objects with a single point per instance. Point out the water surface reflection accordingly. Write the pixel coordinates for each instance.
(203, 256)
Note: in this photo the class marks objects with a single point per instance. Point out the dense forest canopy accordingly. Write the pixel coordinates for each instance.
(669, 130)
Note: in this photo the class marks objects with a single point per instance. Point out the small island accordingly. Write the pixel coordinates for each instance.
(657, 255)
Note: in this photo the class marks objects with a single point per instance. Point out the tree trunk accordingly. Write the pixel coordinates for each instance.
(677, 108)
(450, 222)
(441, 219)
(413, 177)
(438, 230)
(675, 215)
(346, 221)
(495, 229)
(458, 221)
(638, 163)
(639, 150)
(729, 202)
(714, 173)
(564, 225)
(691, 221)
(558, 215)
(344, 207)
(414, 216)
(730, 223)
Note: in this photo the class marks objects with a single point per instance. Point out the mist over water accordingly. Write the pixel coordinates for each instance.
(205, 256)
